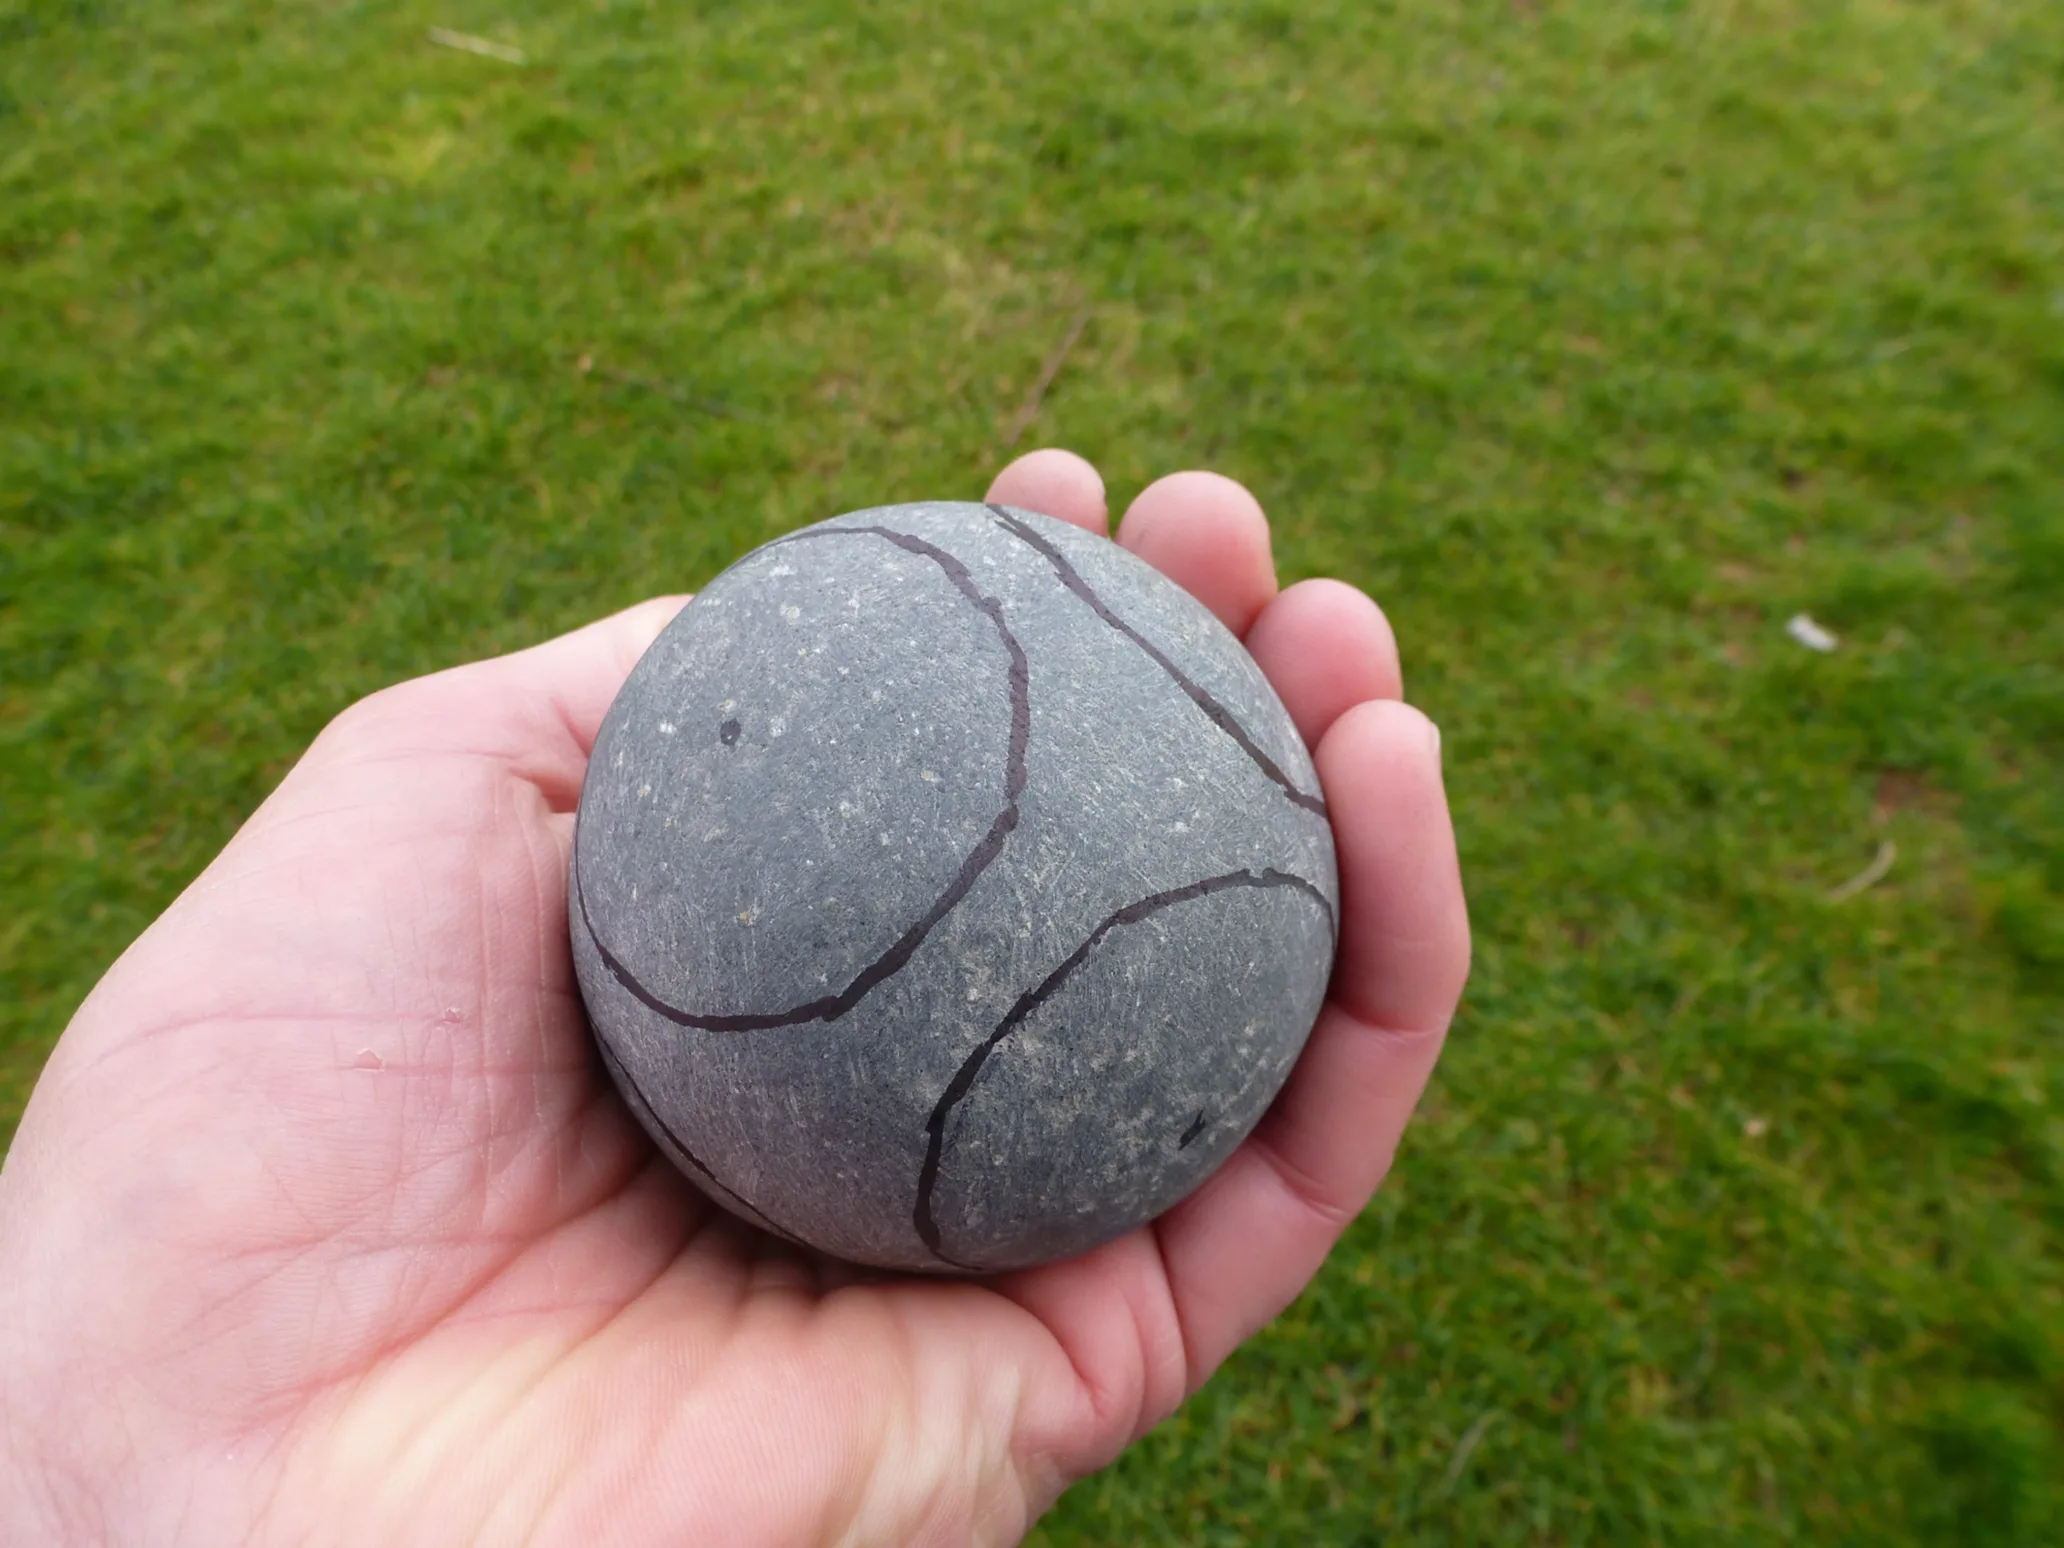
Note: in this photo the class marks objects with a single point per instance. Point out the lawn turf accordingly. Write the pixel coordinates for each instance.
(1596, 339)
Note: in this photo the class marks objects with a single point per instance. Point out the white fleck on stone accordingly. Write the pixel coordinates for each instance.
(667, 728)
(882, 839)
(777, 726)
(749, 915)
(644, 792)
(929, 777)
(790, 612)
(728, 706)
(781, 569)
(1180, 827)
(845, 808)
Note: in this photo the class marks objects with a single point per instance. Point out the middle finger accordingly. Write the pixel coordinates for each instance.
(1207, 534)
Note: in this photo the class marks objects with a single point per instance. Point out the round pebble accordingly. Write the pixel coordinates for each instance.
(950, 890)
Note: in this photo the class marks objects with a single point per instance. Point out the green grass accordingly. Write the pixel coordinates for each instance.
(1596, 338)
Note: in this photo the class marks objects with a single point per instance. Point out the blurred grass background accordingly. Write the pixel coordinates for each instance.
(1596, 339)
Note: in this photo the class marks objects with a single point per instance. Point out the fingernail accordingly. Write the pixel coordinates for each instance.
(1433, 733)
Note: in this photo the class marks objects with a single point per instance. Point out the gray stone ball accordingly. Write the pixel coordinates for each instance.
(950, 890)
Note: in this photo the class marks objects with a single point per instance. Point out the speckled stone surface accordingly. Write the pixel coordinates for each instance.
(950, 891)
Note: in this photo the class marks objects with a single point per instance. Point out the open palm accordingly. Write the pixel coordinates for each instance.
(324, 1224)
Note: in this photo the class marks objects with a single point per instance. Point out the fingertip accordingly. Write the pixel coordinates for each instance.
(581, 672)
(1054, 483)
(1404, 949)
(1207, 533)
(1384, 739)
(1325, 647)
(633, 630)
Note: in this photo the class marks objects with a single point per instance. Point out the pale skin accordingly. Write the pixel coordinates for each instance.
(325, 1226)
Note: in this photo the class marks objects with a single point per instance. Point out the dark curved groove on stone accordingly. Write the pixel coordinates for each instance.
(628, 1084)
(1214, 711)
(1132, 913)
(832, 1006)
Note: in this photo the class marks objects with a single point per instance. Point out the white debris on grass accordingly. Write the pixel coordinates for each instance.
(1869, 876)
(1801, 627)
(487, 48)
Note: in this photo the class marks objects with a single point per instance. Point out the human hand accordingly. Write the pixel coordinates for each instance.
(325, 1225)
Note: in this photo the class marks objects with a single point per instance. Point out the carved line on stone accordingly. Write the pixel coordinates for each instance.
(628, 1084)
(964, 1079)
(833, 1006)
(1214, 711)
